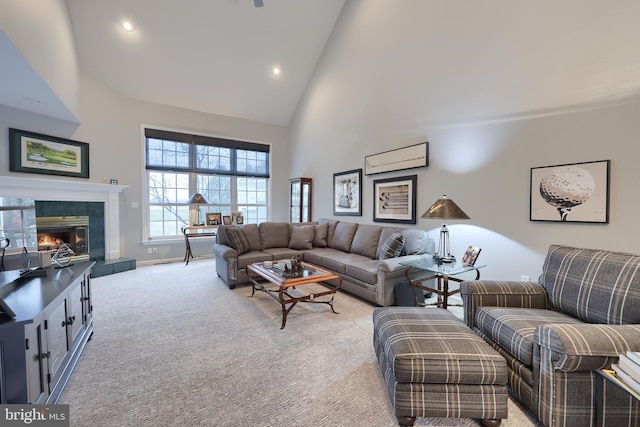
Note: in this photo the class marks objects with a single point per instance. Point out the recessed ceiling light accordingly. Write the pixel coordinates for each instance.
(127, 26)
(276, 70)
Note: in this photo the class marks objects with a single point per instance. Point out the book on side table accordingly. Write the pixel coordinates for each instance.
(628, 370)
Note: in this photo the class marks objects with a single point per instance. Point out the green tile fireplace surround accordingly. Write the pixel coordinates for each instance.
(95, 212)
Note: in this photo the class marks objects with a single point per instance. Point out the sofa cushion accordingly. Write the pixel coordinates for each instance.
(320, 236)
(274, 234)
(343, 236)
(514, 328)
(252, 257)
(302, 237)
(365, 241)
(338, 262)
(365, 271)
(392, 247)
(253, 236)
(416, 242)
(316, 255)
(237, 240)
(283, 253)
(595, 286)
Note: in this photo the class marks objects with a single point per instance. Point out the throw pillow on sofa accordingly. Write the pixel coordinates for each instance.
(416, 241)
(392, 247)
(302, 237)
(237, 240)
(320, 237)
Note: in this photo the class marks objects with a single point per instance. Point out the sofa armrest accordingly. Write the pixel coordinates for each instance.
(585, 347)
(492, 293)
(390, 273)
(393, 264)
(224, 251)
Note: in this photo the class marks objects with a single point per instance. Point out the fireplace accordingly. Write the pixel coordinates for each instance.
(53, 231)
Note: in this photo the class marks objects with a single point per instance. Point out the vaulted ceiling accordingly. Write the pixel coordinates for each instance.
(494, 57)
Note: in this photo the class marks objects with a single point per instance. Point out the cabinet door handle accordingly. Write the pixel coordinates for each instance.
(68, 322)
(45, 355)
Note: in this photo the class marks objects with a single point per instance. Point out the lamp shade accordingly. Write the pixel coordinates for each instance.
(444, 208)
(197, 198)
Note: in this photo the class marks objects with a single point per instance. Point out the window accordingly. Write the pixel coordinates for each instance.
(18, 223)
(232, 176)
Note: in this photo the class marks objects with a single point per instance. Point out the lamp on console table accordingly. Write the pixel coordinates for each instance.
(444, 208)
(197, 199)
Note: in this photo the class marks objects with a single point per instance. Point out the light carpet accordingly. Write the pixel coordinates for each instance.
(173, 346)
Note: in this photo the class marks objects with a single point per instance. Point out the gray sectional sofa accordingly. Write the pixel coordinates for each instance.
(367, 257)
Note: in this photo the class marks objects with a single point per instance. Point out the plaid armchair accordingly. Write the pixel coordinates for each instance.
(583, 313)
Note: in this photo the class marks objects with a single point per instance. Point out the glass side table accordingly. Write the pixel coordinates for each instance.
(442, 272)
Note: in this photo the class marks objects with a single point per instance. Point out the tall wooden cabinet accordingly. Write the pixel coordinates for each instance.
(41, 345)
(300, 199)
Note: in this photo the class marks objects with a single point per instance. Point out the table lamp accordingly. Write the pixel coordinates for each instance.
(444, 208)
(197, 199)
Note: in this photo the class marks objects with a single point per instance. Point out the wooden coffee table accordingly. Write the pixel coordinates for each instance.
(277, 284)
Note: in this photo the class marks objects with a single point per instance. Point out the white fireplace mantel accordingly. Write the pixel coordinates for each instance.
(74, 191)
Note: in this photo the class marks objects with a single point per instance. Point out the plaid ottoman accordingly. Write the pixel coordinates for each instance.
(434, 366)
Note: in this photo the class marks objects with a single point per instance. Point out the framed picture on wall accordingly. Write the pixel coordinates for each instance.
(37, 153)
(347, 193)
(394, 199)
(575, 192)
(414, 156)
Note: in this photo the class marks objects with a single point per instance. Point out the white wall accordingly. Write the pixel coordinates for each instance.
(350, 110)
(485, 168)
(112, 125)
(45, 40)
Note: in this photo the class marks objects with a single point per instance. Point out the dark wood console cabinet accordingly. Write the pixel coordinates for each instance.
(41, 345)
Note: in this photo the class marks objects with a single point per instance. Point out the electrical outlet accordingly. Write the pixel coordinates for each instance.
(149, 251)
(524, 278)
(154, 250)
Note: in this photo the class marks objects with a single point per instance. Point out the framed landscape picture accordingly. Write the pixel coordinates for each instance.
(347, 193)
(394, 199)
(575, 192)
(37, 153)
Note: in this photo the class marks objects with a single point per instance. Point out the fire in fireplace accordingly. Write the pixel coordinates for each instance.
(53, 231)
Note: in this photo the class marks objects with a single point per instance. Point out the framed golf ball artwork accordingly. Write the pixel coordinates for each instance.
(575, 192)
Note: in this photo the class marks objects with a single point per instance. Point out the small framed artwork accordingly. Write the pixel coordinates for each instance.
(347, 193)
(575, 192)
(394, 200)
(234, 217)
(226, 219)
(214, 218)
(239, 219)
(37, 153)
(470, 255)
